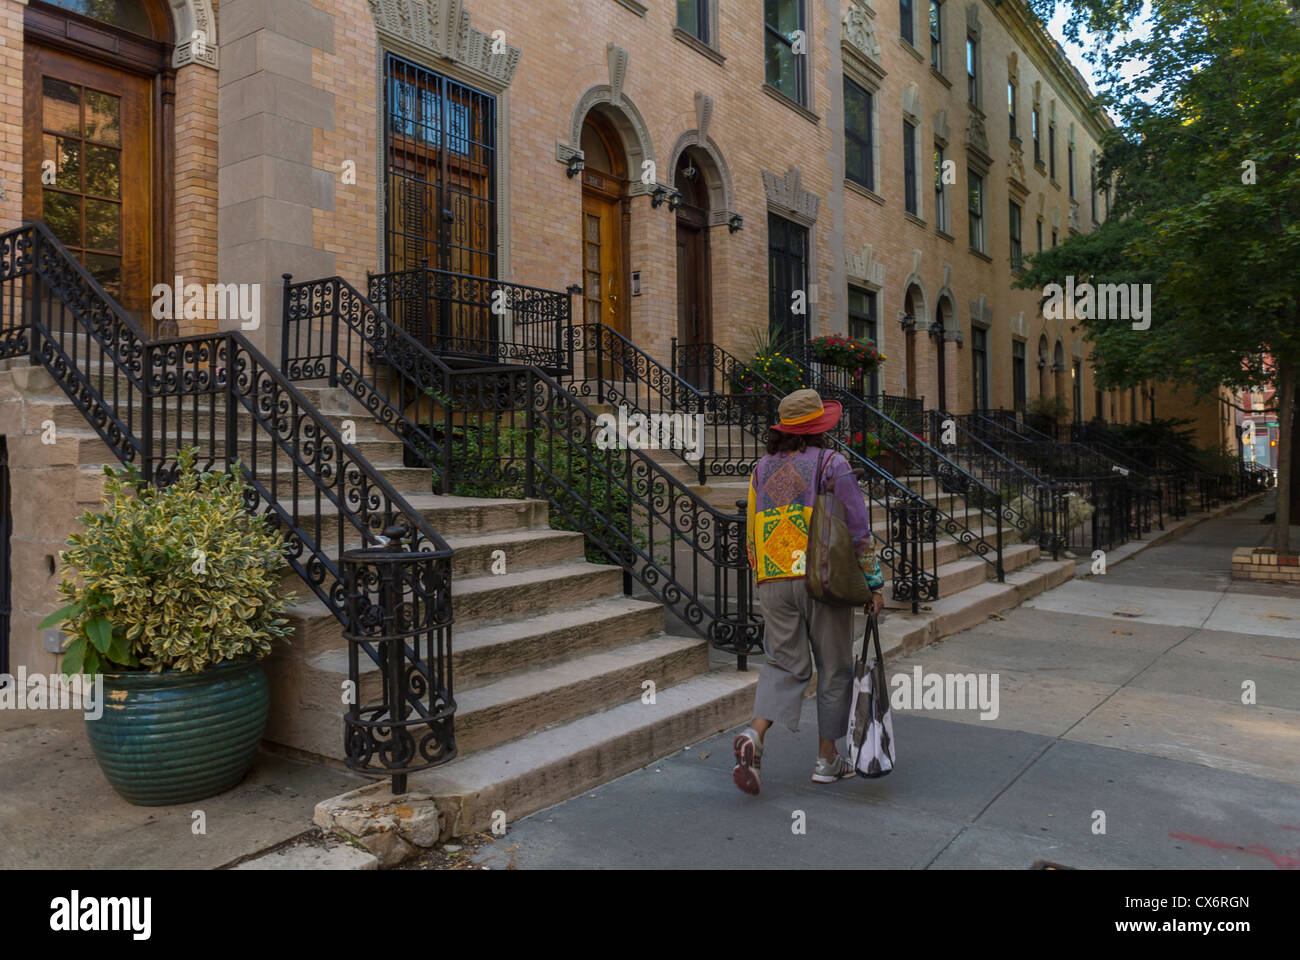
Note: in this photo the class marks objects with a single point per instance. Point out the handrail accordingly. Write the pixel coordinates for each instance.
(479, 320)
(333, 331)
(1032, 508)
(190, 393)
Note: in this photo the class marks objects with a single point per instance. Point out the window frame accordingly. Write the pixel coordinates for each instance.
(911, 202)
(867, 145)
(1036, 122)
(942, 221)
(1019, 375)
(972, 70)
(1015, 227)
(871, 320)
(975, 215)
(1012, 104)
(801, 74)
(979, 354)
(907, 21)
(703, 14)
(936, 35)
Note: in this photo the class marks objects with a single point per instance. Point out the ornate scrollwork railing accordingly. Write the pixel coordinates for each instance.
(217, 394)
(477, 320)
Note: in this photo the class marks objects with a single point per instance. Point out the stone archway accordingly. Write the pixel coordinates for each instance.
(626, 119)
(713, 167)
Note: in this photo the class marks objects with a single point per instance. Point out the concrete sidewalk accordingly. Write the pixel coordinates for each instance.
(1120, 697)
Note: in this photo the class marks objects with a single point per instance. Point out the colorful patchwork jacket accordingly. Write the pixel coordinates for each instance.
(781, 495)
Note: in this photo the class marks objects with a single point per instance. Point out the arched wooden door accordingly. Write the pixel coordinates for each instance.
(694, 322)
(605, 219)
(94, 150)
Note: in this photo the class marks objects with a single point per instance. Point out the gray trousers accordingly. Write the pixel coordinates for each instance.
(799, 633)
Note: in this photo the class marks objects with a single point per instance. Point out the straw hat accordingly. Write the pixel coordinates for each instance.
(804, 412)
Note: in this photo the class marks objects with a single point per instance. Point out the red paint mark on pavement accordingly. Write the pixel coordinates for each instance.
(1282, 861)
(1272, 656)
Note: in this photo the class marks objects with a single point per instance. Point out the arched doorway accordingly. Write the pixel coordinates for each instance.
(605, 218)
(911, 306)
(937, 334)
(694, 321)
(1043, 361)
(97, 99)
(1059, 370)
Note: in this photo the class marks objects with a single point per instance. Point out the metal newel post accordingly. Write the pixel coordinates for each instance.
(530, 437)
(284, 326)
(38, 295)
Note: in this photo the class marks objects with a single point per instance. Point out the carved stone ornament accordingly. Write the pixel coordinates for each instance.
(442, 26)
(786, 193)
(860, 32)
(863, 269)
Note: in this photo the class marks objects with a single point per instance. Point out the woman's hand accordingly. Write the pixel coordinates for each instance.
(877, 603)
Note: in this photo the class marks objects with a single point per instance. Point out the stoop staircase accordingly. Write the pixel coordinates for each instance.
(550, 658)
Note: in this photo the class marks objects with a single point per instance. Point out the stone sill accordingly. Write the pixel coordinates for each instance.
(699, 46)
(864, 191)
(794, 105)
(920, 57)
(941, 78)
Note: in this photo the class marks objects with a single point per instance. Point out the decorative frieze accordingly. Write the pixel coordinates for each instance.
(443, 27)
(786, 195)
(863, 269)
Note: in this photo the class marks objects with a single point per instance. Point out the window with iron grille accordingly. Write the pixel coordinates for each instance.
(782, 19)
(862, 326)
(979, 349)
(440, 196)
(859, 156)
(787, 272)
(1018, 382)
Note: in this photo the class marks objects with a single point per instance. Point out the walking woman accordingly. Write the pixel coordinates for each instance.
(801, 632)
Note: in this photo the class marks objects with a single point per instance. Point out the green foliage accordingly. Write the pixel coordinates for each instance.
(592, 502)
(1168, 434)
(179, 578)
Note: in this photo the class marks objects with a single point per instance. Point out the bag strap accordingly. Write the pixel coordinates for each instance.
(817, 483)
(872, 631)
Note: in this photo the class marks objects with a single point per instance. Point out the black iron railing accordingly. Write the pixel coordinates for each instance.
(477, 320)
(1030, 503)
(610, 369)
(520, 432)
(332, 332)
(217, 394)
(907, 537)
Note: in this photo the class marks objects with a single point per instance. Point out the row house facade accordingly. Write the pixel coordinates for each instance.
(689, 166)
(685, 169)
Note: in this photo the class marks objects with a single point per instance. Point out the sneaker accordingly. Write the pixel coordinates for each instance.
(749, 759)
(828, 771)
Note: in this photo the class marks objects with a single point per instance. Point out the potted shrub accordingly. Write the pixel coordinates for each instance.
(857, 358)
(173, 595)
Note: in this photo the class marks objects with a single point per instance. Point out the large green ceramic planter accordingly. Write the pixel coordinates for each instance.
(176, 737)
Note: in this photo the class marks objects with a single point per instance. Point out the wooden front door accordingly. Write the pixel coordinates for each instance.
(604, 281)
(693, 326)
(87, 163)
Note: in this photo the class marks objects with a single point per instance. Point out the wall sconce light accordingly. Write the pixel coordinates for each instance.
(907, 321)
(658, 195)
(735, 223)
(936, 331)
(674, 200)
(1042, 364)
(577, 163)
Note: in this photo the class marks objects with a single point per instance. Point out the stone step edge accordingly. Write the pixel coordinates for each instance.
(548, 766)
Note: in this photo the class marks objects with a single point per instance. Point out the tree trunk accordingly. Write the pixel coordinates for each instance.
(1285, 440)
